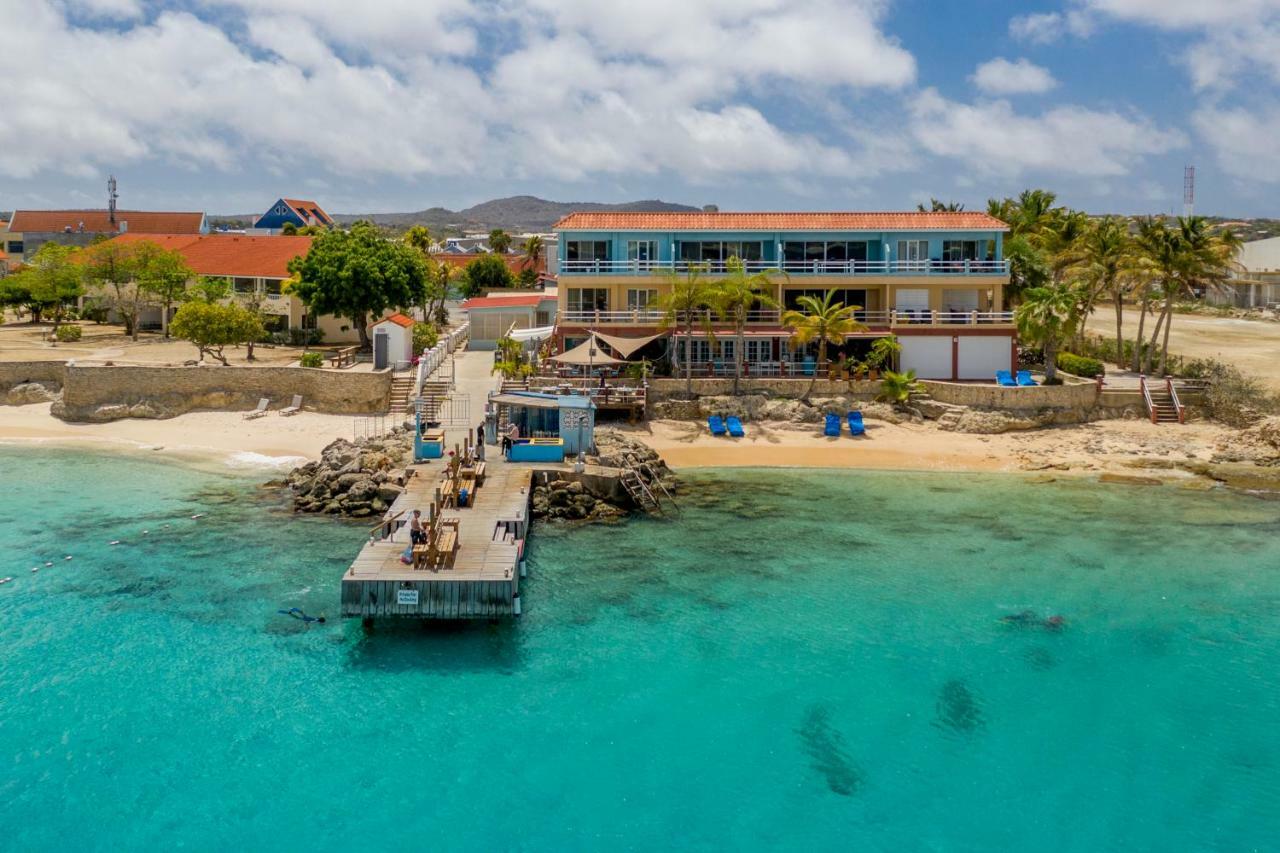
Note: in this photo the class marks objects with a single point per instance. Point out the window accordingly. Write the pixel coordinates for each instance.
(791, 298)
(588, 299)
(642, 250)
(912, 300)
(587, 250)
(716, 252)
(759, 350)
(272, 287)
(913, 250)
(14, 247)
(959, 250)
(542, 319)
(817, 253)
(245, 286)
(310, 321)
(641, 300)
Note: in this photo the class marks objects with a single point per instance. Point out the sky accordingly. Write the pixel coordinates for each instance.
(399, 105)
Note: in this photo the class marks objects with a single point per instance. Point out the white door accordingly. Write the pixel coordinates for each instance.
(928, 355)
(982, 356)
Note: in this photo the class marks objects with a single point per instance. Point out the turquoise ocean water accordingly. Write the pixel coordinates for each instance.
(804, 661)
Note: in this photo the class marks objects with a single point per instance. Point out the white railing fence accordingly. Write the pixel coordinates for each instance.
(432, 359)
(815, 267)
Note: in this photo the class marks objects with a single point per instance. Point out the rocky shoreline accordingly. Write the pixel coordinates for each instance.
(362, 479)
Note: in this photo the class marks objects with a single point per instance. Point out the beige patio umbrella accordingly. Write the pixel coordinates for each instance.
(589, 353)
(626, 346)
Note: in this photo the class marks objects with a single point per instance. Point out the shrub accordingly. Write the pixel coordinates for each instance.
(1230, 396)
(67, 334)
(312, 359)
(486, 272)
(305, 337)
(528, 277)
(425, 336)
(1080, 365)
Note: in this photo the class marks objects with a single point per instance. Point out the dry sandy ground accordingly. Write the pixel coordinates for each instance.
(268, 442)
(1108, 446)
(1250, 345)
(24, 342)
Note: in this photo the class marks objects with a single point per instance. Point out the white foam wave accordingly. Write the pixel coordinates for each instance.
(249, 459)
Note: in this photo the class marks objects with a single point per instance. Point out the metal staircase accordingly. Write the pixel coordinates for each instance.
(633, 480)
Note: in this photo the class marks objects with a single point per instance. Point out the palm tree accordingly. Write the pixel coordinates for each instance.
(823, 321)
(1105, 263)
(734, 297)
(936, 206)
(499, 241)
(685, 302)
(533, 248)
(1027, 217)
(1047, 317)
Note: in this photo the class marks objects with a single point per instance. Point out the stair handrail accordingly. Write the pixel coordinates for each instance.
(1146, 397)
(1177, 404)
(645, 466)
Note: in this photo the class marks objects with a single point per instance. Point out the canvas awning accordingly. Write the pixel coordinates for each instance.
(626, 346)
(582, 355)
(527, 402)
(538, 334)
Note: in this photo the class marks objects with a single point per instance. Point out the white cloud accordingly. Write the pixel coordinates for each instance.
(992, 139)
(400, 88)
(1048, 27)
(1244, 141)
(999, 76)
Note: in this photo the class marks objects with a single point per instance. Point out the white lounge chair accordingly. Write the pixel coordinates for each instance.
(258, 412)
(294, 408)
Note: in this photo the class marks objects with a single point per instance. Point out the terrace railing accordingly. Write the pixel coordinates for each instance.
(773, 317)
(846, 268)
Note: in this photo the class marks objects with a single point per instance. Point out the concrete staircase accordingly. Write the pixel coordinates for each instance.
(401, 390)
(1163, 410)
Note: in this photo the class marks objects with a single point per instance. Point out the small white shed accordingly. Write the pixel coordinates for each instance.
(392, 341)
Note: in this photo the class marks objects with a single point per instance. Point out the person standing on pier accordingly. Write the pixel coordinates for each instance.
(417, 535)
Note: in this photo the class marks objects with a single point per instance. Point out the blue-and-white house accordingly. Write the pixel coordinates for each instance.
(935, 280)
(300, 212)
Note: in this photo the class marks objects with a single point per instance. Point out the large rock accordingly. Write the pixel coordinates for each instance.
(389, 492)
(1245, 476)
(993, 423)
(27, 393)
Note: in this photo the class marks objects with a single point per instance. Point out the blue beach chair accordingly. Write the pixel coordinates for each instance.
(833, 426)
(716, 424)
(1005, 379)
(735, 427)
(856, 426)
(1025, 380)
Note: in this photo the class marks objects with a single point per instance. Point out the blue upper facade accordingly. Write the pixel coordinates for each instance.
(299, 212)
(973, 245)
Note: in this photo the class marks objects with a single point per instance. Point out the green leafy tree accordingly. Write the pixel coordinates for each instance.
(163, 276)
(936, 206)
(208, 289)
(358, 273)
(684, 304)
(52, 279)
(425, 336)
(212, 327)
(528, 277)
(734, 297)
(15, 292)
(109, 268)
(499, 241)
(1047, 317)
(486, 272)
(419, 239)
(825, 321)
(289, 229)
(1027, 217)
(1105, 264)
(884, 351)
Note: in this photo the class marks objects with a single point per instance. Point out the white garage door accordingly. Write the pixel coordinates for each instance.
(929, 356)
(981, 357)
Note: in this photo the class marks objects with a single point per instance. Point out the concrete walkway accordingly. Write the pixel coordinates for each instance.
(473, 378)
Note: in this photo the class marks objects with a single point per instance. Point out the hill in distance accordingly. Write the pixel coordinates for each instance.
(514, 214)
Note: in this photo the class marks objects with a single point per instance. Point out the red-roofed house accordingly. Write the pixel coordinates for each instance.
(933, 280)
(299, 212)
(256, 268)
(28, 230)
(491, 316)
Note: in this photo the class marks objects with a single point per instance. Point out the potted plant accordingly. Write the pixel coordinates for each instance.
(884, 355)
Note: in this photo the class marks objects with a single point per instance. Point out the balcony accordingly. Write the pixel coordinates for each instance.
(845, 268)
(773, 317)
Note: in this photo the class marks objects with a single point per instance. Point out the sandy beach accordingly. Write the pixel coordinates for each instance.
(1106, 446)
(266, 442)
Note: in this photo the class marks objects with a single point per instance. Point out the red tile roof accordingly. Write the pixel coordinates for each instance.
(308, 209)
(99, 221)
(398, 319)
(506, 301)
(904, 221)
(230, 254)
(4, 225)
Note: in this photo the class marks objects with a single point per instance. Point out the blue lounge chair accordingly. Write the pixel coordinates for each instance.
(735, 427)
(856, 427)
(1024, 378)
(1005, 379)
(833, 426)
(716, 424)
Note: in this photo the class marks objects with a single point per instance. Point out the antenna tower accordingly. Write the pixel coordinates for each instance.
(111, 198)
(1189, 191)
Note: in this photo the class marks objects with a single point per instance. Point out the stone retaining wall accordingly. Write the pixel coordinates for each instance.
(1075, 395)
(93, 393)
(661, 390)
(49, 373)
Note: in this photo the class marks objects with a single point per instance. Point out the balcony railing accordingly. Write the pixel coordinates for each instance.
(773, 317)
(928, 267)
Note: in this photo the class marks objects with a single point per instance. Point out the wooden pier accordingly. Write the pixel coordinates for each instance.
(472, 568)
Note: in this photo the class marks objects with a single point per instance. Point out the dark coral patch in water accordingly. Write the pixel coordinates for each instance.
(827, 754)
(957, 708)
